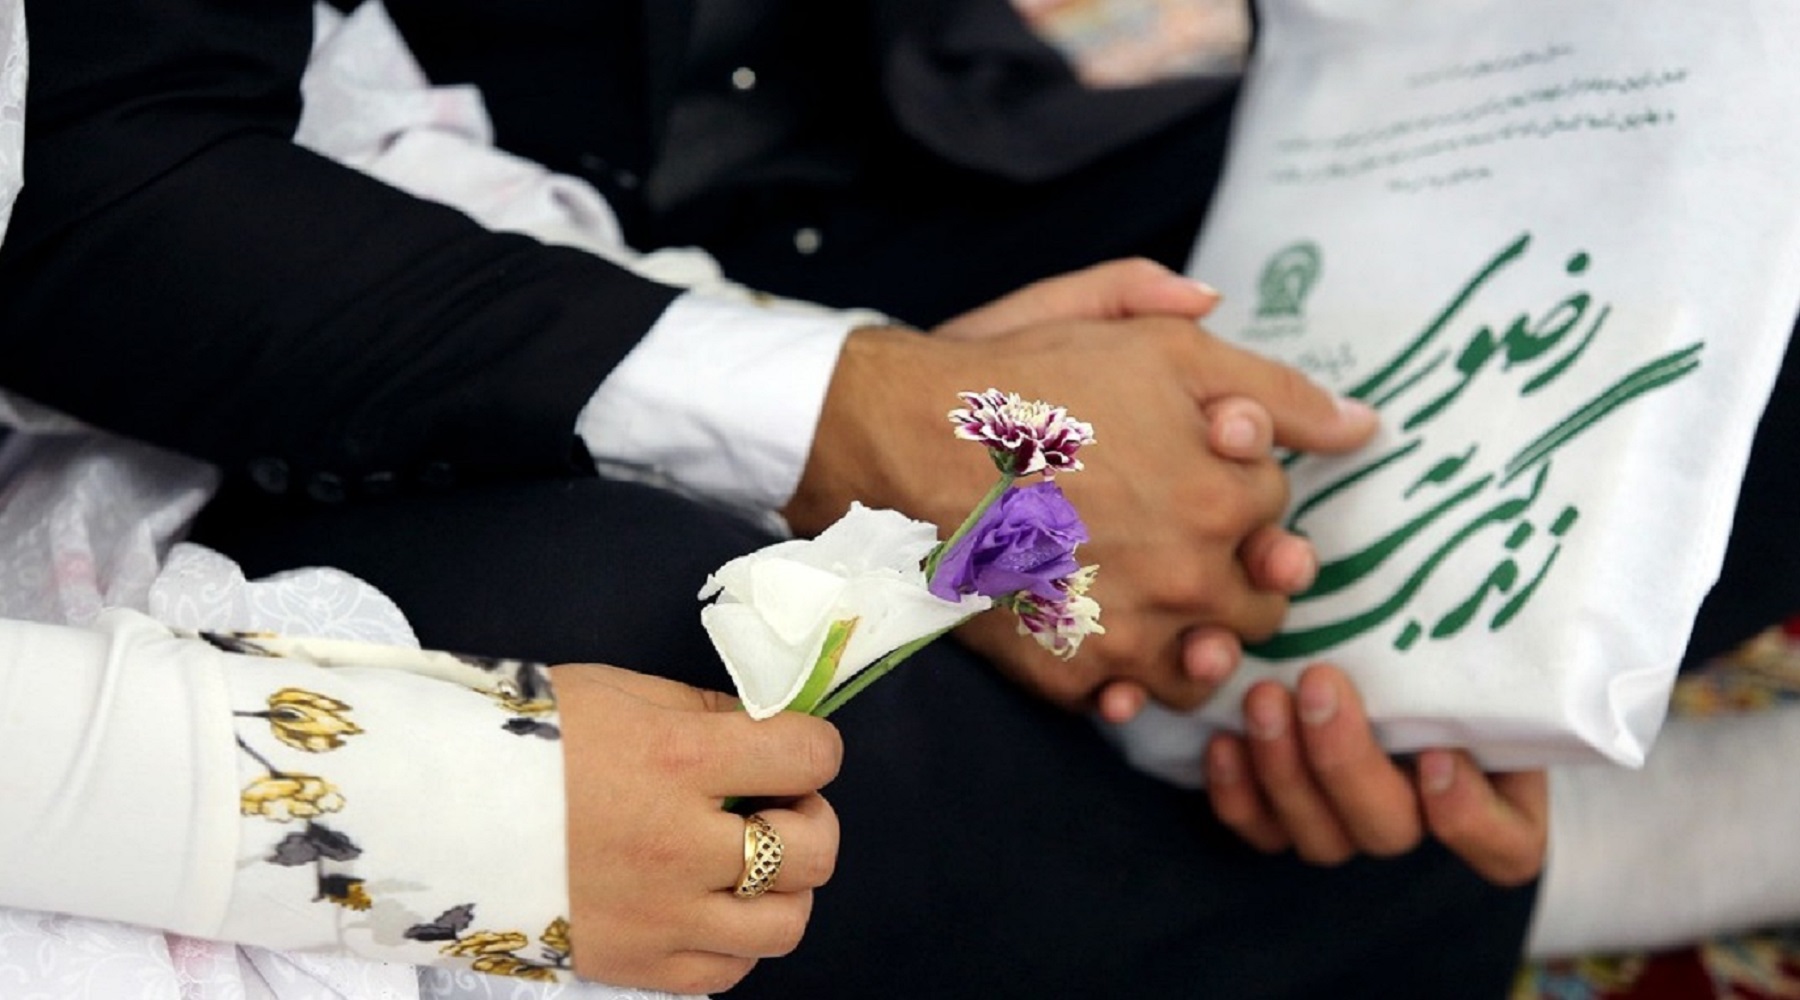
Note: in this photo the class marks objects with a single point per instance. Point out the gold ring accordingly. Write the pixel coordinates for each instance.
(762, 857)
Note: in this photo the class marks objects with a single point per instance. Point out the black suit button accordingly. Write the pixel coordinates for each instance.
(326, 488)
(380, 484)
(270, 475)
(436, 475)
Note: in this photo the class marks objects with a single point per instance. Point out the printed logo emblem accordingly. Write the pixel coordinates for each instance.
(1287, 279)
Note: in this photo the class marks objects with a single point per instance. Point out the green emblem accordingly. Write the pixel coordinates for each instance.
(1287, 279)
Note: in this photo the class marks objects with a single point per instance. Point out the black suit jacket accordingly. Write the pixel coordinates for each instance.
(181, 272)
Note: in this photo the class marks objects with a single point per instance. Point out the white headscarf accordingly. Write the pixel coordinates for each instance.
(12, 106)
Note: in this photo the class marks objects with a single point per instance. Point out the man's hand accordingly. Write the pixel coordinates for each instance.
(1309, 776)
(653, 857)
(1184, 535)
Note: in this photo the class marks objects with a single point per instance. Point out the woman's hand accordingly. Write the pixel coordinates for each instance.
(1309, 775)
(653, 858)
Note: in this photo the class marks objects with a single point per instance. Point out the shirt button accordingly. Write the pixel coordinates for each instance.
(808, 240)
(380, 484)
(625, 179)
(436, 475)
(743, 78)
(591, 163)
(326, 488)
(270, 475)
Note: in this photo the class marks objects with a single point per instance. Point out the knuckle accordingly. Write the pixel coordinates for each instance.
(1291, 387)
(1236, 811)
(822, 751)
(680, 752)
(1185, 583)
(1071, 684)
(1514, 872)
(1270, 492)
(1224, 509)
(1391, 843)
(654, 854)
(1178, 692)
(716, 976)
(1326, 854)
(1137, 268)
(1459, 830)
(1257, 616)
(788, 927)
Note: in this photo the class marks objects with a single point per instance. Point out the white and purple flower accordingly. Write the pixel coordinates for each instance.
(1023, 436)
(1061, 623)
(807, 624)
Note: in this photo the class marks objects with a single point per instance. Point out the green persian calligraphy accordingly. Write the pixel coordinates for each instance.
(1452, 503)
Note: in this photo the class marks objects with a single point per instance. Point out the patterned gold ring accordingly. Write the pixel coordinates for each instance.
(762, 857)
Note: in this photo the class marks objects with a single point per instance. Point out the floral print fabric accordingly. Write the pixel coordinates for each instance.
(340, 801)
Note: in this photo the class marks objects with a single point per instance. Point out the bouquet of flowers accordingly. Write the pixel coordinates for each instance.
(806, 624)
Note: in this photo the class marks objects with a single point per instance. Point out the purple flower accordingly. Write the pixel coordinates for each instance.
(1023, 436)
(1024, 542)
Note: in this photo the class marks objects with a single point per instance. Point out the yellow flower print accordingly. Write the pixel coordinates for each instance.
(346, 892)
(556, 936)
(487, 943)
(507, 965)
(520, 705)
(289, 796)
(308, 721)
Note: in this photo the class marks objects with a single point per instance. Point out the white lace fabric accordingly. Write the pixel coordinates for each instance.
(12, 106)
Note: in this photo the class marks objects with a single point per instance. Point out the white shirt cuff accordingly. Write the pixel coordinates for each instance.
(721, 397)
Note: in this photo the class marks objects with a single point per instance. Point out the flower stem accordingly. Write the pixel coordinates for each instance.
(824, 669)
(874, 671)
(993, 494)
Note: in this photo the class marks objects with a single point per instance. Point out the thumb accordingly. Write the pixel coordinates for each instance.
(1114, 290)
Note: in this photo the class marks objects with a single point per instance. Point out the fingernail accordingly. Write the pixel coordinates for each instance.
(1266, 722)
(1210, 663)
(1318, 703)
(1223, 767)
(1204, 288)
(1308, 570)
(1355, 408)
(1436, 770)
(1237, 433)
(1119, 707)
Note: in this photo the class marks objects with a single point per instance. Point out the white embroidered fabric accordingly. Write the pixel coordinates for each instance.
(12, 105)
(89, 521)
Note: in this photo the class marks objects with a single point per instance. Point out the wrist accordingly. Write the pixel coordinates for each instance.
(881, 432)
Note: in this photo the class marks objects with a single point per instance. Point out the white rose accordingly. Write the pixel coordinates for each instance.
(776, 605)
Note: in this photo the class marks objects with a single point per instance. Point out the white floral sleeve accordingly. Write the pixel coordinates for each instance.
(401, 805)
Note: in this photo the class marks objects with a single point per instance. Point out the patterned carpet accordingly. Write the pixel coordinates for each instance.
(1763, 966)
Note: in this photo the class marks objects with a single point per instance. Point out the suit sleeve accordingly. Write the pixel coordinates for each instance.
(178, 270)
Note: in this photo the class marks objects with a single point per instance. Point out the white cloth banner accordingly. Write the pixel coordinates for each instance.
(1554, 242)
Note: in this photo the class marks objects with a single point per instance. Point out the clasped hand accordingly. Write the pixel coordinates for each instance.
(1182, 497)
(1183, 502)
